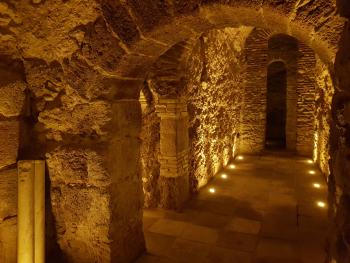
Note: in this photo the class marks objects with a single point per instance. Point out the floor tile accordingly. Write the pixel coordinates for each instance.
(243, 225)
(276, 250)
(185, 251)
(237, 241)
(158, 244)
(200, 234)
(265, 212)
(168, 227)
(223, 255)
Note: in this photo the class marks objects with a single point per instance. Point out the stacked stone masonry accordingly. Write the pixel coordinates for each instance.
(254, 103)
(324, 95)
(12, 104)
(150, 137)
(71, 75)
(306, 100)
(216, 73)
(300, 93)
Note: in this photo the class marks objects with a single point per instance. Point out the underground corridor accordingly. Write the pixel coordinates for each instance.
(276, 106)
(267, 208)
(246, 206)
(174, 131)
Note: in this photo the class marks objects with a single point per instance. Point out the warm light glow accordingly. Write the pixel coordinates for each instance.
(321, 204)
(316, 185)
(224, 176)
(315, 154)
(232, 166)
(240, 157)
(310, 161)
(212, 190)
(312, 172)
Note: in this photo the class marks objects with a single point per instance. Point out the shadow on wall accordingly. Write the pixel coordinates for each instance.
(150, 136)
(30, 149)
(276, 109)
(339, 190)
(12, 86)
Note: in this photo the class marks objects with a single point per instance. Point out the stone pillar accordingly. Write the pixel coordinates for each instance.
(126, 200)
(174, 150)
(31, 212)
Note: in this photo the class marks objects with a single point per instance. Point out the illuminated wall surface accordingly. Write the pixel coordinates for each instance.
(31, 212)
(71, 75)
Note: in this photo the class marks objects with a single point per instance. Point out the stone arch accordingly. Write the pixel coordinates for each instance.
(301, 91)
(102, 55)
(138, 58)
(276, 60)
(289, 19)
(282, 41)
(176, 87)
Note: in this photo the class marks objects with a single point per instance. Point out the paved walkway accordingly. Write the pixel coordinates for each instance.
(265, 210)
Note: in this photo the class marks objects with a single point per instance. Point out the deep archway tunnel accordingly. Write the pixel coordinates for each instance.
(276, 112)
(71, 76)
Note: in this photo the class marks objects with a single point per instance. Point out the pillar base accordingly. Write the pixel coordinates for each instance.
(174, 191)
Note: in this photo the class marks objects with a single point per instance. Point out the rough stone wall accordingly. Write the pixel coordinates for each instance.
(150, 149)
(208, 73)
(66, 109)
(88, 137)
(85, 63)
(8, 215)
(214, 94)
(323, 118)
(306, 100)
(338, 182)
(164, 150)
(12, 129)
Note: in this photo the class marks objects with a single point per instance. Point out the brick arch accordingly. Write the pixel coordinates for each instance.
(156, 28)
(300, 89)
(289, 40)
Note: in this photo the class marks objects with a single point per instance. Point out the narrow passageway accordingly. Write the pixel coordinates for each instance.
(261, 209)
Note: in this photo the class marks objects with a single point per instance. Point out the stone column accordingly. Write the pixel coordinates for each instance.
(31, 212)
(126, 200)
(174, 149)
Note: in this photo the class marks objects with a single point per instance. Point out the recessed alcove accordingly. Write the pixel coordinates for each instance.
(276, 109)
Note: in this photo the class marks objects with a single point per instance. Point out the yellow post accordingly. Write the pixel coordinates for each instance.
(39, 212)
(31, 212)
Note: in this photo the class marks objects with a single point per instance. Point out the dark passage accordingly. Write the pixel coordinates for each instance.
(276, 106)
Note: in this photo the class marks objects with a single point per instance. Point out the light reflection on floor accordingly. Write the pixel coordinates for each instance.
(267, 209)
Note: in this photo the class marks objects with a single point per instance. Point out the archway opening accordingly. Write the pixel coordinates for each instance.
(86, 88)
(276, 109)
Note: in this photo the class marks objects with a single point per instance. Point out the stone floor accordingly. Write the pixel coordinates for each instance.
(265, 211)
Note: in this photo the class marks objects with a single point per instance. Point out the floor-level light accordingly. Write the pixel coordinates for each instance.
(321, 204)
(232, 166)
(310, 161)
(212, 190)
(224, 176)
(240, 157)
(312, 172)
(316, 185)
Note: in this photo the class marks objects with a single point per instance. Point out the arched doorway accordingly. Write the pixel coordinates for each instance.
(276, 108)
(108, 109)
